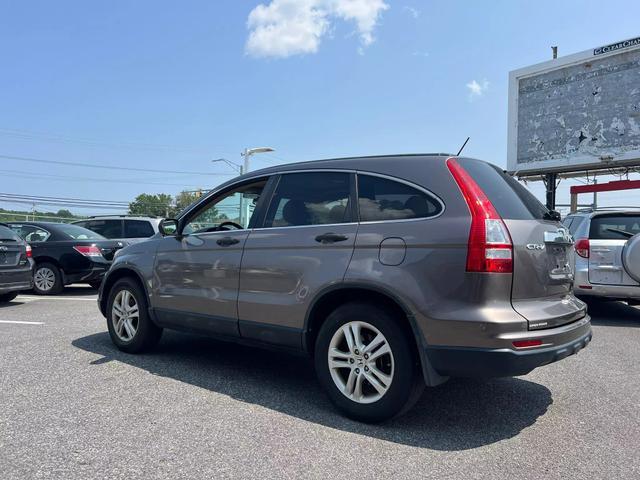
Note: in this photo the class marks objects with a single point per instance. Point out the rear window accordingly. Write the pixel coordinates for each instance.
(8, 235)
(614, 227)
(138, 229)
(78, 233)
(510, 198)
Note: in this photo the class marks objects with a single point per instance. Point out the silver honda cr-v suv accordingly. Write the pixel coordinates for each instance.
(393, 272)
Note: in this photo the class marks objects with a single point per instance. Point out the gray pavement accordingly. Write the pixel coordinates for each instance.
(72, 406)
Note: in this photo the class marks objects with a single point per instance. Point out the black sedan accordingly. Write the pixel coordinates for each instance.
(15, 264)
(65, 254)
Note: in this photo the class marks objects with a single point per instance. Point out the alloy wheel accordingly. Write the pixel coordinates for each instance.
(125, 315)
(361, 362)
(44, 278)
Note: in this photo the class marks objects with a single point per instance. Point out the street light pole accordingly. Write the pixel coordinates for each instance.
(251, 151)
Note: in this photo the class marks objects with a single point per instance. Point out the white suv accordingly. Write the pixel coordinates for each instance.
(607, 244)
(121, 227)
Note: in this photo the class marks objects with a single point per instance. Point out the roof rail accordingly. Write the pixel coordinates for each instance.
(605, 209)
(120, 216)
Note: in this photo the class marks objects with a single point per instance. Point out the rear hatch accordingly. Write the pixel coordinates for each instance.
(543, 264)
(12, 248)
(608, 236)
(108, 248)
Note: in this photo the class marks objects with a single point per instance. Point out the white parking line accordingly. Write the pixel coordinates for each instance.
(21, 323)
(29, 297)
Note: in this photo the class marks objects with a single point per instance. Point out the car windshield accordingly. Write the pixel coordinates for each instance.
(8, 235)
(78, 233)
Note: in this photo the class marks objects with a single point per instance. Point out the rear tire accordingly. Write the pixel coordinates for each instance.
(47, 279)
(130, 327)
(7, 297)
(396, 372)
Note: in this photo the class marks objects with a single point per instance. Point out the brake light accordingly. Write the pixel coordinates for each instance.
(490, 249)
(582, 247)
(29, 251)
(88, 250)
(527, 343)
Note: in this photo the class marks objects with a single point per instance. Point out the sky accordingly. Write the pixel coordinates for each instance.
(158, 86)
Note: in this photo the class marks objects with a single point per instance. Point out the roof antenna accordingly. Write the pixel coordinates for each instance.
(462, 147)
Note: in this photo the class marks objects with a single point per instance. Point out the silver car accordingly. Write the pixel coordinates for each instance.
(125, 228)
(607, 244)
(392, 272)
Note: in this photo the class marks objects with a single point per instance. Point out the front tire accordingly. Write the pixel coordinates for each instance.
(47, 279)
(130, 327)
(7, 297)
(367, 364)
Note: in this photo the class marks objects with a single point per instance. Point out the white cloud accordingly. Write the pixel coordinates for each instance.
(414, 12)
(477, 89)
(295, 27)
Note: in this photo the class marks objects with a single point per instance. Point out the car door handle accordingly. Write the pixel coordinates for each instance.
(331, 238)
(227, 241)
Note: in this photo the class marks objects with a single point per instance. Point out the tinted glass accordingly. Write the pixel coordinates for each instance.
(614, 227)
(510, 198)
(574, 224)
(31, 233)
(78, 233)
(7, 234)
(138, 229)
(106, 228)
(383, 199)
(310, 199)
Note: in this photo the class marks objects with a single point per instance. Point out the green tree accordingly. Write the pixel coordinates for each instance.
(159, 205)
(184, 199)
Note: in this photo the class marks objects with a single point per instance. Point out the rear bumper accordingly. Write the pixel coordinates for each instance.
(95, 273)
(506, 362)
(16, 280)
(582, 287)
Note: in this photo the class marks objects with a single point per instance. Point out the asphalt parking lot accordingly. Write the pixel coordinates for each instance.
(75, 407)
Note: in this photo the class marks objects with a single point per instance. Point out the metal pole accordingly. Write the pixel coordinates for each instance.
(550, 180)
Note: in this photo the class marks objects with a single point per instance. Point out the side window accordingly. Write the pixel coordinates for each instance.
(232, 210)
(384, 199)
(138, 229)
(106, 228)
(31, 233)
(314, 198)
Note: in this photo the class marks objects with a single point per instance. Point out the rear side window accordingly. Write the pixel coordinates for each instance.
(106, 228)
(314, 198)
(6, 234)
(137, 229)
(384, 199)
(614, 227)
(31, 233)
(509, 197)
(575, 225)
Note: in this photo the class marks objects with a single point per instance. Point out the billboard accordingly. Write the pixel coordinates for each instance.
(576, 112)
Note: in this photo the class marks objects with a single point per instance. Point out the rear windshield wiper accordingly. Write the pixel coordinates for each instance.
(621, 232)
(7, 239)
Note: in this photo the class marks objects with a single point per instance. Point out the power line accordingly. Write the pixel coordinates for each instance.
(105, 167)
(57, 138)
(20, 174)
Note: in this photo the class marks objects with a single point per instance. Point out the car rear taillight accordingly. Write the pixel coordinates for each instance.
(582, 247)
(29, 251)
(490, 249)
(88, 250)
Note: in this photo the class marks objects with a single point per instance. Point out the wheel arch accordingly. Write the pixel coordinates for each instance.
(113, 277)
(332, 297)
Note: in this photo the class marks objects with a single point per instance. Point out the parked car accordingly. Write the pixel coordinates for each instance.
(15, 264)
(129, 229)
(607, 244)
(65, 254)
(391, 271)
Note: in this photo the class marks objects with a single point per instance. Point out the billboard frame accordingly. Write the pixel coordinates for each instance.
(578, 163)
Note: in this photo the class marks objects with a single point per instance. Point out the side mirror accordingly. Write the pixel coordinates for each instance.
(168, 226)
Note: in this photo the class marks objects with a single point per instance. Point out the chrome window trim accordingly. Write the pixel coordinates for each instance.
(266, 177)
